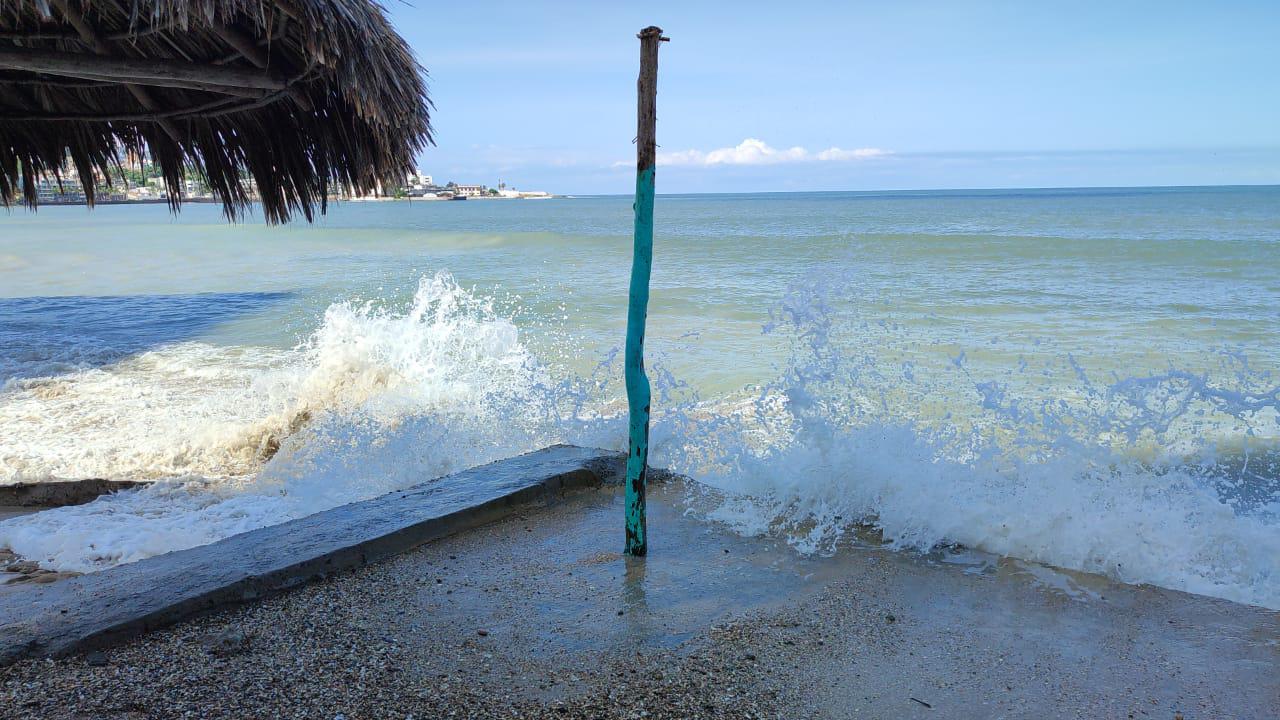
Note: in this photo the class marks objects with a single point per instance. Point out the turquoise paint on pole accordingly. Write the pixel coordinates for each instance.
(638, 390)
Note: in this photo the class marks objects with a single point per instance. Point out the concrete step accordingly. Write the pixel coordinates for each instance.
(106, 607)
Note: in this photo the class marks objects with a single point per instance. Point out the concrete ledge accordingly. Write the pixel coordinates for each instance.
(106, 607)
(61, 492)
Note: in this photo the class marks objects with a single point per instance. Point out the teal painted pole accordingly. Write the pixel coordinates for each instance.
(638, 392)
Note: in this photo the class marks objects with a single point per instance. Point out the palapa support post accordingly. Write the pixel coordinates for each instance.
(638, 392)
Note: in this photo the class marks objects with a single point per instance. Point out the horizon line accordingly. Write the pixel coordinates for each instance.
(942, 189)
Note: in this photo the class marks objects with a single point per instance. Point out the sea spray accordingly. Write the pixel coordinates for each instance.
(188, 409)
(1122, 478)
(1167, 477)
(376, 399)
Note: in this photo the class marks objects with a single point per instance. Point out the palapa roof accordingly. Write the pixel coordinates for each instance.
(303, 97)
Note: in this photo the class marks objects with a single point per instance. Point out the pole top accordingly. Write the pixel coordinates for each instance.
(651, 31)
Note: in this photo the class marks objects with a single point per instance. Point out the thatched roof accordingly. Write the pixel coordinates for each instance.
(303, 97)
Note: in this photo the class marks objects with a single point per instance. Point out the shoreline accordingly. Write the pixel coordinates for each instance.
(537, 614)
(212, 201)
(27, 498)
(883, 192)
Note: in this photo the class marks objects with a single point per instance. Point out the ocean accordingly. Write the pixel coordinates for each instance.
(1084, 378)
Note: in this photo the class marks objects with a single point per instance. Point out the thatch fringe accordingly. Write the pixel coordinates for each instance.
(310, 97)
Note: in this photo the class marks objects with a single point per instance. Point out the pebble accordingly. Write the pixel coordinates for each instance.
(228, 642)
(41, 577)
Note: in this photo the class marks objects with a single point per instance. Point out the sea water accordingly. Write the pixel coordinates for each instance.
(1085, 378)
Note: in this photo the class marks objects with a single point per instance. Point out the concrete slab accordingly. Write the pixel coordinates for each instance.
(57, 493)
(537, 615)
(98, 609)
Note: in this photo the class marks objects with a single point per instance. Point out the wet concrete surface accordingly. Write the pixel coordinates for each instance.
(538, 615)
(558, 593)
(114, 604)
(866, 633)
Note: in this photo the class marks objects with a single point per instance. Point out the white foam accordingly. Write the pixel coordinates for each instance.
(1128, 522)
(377, 399)
(188, 409)
(1127, 479)
(1139, 478)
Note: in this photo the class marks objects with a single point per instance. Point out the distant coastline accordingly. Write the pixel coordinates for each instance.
(144, 186)
(987, 192)
(82, 202)
(444, 198)
(116, 201)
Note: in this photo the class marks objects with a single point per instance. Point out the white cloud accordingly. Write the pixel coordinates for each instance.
(836, 154)
(749, 152)
(757, 152)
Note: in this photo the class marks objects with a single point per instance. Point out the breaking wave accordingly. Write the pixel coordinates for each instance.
(376, 399)
(1168, 478)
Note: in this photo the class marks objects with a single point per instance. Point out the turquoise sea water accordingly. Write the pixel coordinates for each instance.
(1085, 377)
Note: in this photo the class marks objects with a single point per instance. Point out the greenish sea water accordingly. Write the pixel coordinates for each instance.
(1088, 378)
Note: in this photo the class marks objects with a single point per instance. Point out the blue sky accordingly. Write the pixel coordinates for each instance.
(857, 95)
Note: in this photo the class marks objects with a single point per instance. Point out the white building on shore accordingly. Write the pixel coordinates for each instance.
(470, 190)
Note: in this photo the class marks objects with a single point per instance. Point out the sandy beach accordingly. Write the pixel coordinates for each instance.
(536, 616)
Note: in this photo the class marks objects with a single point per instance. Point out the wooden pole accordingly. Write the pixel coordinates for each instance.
(638, 391)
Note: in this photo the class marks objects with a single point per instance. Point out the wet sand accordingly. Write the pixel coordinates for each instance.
(537, 615)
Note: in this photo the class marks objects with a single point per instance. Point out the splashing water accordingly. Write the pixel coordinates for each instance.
(375, 400)
(1168, 478)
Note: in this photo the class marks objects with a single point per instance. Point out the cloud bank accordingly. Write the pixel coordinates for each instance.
(757, 152)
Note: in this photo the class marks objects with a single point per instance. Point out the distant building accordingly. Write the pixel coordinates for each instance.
(145, 192)
(50, 191)
(419, 185)
(140, 183)
(470, 190)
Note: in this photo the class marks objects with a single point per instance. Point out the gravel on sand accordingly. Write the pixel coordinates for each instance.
(538, 616)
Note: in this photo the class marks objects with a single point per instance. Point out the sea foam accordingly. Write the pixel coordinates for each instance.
(1169, 478)
(1166, 478)
(374, 400)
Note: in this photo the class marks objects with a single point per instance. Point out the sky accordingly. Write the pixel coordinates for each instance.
(787, 96)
